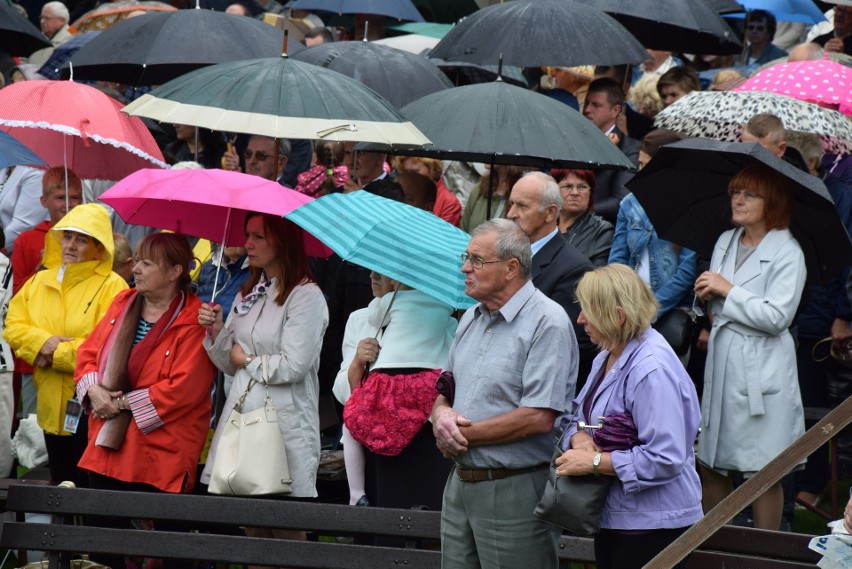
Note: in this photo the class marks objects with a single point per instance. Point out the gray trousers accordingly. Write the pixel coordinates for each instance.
(490, 524)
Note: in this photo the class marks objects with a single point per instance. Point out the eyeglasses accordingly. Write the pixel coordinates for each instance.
(581, 188)
(43, 17)
(747, 196)
(259, 156)
(476, 262)
(756, 28)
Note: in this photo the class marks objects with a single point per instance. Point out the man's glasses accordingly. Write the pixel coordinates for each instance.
(581, 188)
(476, 262)
(756, 28)
(259, 156)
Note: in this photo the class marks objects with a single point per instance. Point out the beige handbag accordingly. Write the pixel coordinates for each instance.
(250, 457)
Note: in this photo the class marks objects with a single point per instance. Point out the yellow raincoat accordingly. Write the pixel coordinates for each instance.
(44, 307)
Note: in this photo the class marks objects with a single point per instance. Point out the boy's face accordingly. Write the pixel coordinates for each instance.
(54, 201)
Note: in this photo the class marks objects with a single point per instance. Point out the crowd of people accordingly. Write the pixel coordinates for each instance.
(117, 337)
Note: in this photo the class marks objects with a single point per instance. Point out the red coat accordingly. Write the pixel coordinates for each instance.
(447, 206)
(178, 375)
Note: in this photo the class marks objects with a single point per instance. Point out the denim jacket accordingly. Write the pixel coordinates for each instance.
(673, 269)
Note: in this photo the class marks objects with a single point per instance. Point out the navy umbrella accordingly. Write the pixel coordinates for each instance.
(18, 36)
(398, 76)
(13, 153)
(533, 33)
(156, 47)
(52, 68)
(684, 191)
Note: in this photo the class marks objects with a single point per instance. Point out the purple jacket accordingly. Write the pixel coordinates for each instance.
(657, 485)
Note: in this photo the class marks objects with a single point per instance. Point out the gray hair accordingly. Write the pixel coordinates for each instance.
(807, 143)
(283, 144)
(187, 165)
(550, 193)
(511, 243)
(58, 8)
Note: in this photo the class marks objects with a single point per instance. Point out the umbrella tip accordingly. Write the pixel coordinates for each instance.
(284, 47)
(500, 68)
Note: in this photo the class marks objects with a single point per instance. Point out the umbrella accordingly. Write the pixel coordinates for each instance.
(503, 124)
(430, 29)
(684, 191)
(412, 43)
(725, 6)
(823, 82)
(447, 11)
(72, 124)
(723, 114)
(278, 97)
(399, 9)
(398, 76)
(412, 246)
(157, 47)
(532, 33)
(211, 204)
(461, 73)
(63, 52)
(18, 36)
(109, 13)
(13, 153)
(787, 10)
(673, 25)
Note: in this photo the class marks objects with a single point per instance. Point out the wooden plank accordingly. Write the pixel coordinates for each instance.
(217, 510)
(762, 543)
(217, 548)
(724, 512)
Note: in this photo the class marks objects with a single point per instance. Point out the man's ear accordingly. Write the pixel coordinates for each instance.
(513, 267)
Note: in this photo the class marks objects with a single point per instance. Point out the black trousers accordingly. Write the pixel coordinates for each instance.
(616, 550)
(64, 452)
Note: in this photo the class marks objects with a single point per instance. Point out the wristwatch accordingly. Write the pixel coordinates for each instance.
(596, 463)
(249, 358)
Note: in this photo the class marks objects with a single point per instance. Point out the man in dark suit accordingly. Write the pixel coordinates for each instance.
(604, 102)
(557, 266)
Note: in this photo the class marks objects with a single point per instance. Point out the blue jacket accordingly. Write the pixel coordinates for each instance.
(231, 279)
(656, 484)
(673, 269)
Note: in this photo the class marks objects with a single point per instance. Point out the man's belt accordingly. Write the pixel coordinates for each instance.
(483, 474)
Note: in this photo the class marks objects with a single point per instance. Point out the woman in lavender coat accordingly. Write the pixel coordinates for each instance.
(656, 494)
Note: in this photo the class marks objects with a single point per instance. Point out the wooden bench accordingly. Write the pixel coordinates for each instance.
(731, 547)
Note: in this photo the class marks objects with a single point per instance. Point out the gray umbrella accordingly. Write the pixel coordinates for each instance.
(532, 33)
(398, 76)
(684, 191)
(18, 36)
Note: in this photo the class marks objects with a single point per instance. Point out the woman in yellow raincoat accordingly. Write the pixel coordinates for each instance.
(51, 316)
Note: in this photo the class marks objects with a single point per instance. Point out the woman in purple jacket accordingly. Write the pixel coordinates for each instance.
(657, 494)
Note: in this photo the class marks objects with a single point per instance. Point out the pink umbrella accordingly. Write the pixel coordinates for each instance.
(204, 203)
(78, 126)
(824, 82)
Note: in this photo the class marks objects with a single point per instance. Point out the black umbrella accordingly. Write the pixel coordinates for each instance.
(18, 36)
(399, 9)
(673, 25)
(157, 47)
(684, 191)
(398, 76)
(725, 6)
(532, 33)
(460, 73)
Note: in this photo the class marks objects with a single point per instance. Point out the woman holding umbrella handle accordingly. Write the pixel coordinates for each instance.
(752, 409)
(637, 378)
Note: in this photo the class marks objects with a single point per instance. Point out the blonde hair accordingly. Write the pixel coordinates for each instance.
(603, 291)
(644, 95)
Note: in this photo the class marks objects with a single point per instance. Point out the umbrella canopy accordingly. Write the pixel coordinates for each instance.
(157, 47)
(211, 204)
(412, 43)
(447, 11)
(110, 13)
(823, 82)
(13, 153)
(278, 97)
(503, 124)
(684, 191)
(18, 36)
(673, 25)
(532, 33)
(725, 6)
(399, 9)
(722, 115)
(787, 10)
(67, 123)
(460, 73)
(412, 246)
(52, 68)
(398, 76)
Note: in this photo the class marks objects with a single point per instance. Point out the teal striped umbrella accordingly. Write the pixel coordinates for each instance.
(412, 246)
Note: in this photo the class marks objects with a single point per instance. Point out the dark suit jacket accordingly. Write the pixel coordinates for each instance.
(556, 270)
(609, 184)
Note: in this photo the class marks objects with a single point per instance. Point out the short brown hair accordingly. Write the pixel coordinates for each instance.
(168, 250)
(773, 187)
(763, 125)
(54, 179)
(587, 176)
(681, 77)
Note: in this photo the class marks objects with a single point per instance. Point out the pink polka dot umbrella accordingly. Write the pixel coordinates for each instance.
(823, 82)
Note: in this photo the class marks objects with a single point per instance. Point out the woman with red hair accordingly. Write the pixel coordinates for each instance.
(589, 233)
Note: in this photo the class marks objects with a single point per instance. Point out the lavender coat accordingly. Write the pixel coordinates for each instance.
(657, 485)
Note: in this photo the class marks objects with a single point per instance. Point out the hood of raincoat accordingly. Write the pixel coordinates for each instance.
(91, 219)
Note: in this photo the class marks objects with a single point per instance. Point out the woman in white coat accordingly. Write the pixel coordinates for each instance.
(278, 318)
(752, 408)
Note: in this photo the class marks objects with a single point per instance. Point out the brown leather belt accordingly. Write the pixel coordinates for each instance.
(483, 474)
